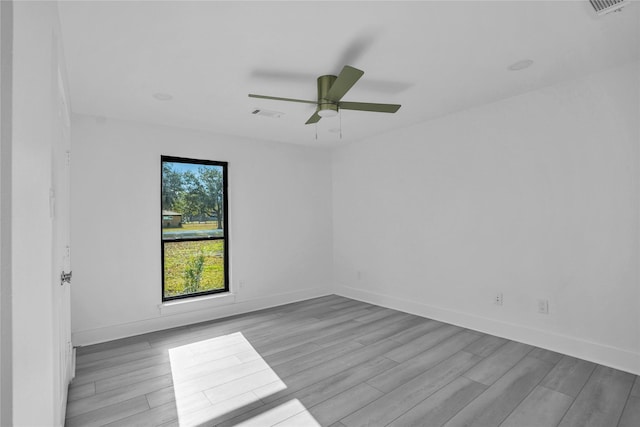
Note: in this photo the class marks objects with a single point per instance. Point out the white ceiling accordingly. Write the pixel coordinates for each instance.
(433, 57)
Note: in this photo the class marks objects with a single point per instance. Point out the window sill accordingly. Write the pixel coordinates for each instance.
(198, 303)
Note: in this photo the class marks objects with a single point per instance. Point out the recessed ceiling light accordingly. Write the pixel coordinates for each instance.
(162, 96)
(520, 65)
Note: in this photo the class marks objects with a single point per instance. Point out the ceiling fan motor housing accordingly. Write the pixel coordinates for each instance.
(331, 89)
(326, 108)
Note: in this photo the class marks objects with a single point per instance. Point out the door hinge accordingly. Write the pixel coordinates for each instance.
(65, 277)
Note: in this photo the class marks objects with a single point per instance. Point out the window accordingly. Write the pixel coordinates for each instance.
(195, 250)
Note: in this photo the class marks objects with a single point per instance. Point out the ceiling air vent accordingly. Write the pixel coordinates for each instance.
(267, 113)
(602, 7)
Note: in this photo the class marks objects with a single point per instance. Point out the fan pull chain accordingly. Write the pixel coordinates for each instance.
(340, 124)
(316, 131)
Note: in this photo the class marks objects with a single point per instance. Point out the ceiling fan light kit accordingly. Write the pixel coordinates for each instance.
(327, 110)
(331, 89)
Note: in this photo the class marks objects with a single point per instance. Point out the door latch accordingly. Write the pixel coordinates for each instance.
(65, 277)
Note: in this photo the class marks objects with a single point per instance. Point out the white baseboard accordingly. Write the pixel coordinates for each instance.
(599, 353)
(175, 317)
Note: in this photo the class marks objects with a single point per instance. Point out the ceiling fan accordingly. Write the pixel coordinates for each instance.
(331, 89)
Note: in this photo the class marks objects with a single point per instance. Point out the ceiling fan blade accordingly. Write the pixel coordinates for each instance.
(366, 106)
(313, 119)
(346, 79)
(251, 95)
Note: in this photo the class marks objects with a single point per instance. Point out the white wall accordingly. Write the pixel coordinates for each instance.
(37, 397)
(6, 341)
(535, 196)
(280, 225)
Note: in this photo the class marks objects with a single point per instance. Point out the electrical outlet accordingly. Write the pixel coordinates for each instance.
(498, 299)
(241, 284)
(543, 306)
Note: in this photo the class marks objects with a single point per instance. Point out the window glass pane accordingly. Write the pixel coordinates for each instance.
(193, 267)
(193, 227)
(192, 201)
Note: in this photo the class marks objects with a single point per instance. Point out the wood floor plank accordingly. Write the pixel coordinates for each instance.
(546, 355)
(322, 325)
(438, 408)
(275, 414)
(395, 403)
(89, 376)
(217, 377)
(602, 399)
(373, 313)
(422, 343)
(287, 341)
(569, 375)
(225, 343)
(241, 385)
(368, 352)
(359, 329)
(120, 359)
(631, 414)
(267, 332)
(635, 391)
(240, 350)
(395, 377)
(310, 392)
(343, 404)
(497, 363)
(110, 351)
(342, 316)
(316, 358)
(299, 306)
(207, 331)
(389, 330)
(83, 352)
(150, 418)
(416, 331)
(81, 391)
(304, 418)
(486, 345)
(323, 371)
(292, 353)
(118, 395)
(164, 413)
(542, 408)
(344, 307)
(242, 416)
(494, 405)
(335, 361)
(359, 314)
(134, 377)
(320, 391)
(219, 412)
(161, 396)
(108, 413)
(187, 372)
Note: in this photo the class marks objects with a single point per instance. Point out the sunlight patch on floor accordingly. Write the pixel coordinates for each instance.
(220, 378)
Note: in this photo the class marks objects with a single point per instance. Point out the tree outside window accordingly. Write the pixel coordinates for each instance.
(194, 227)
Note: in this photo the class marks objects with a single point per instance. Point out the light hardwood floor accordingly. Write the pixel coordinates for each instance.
(333, 361)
